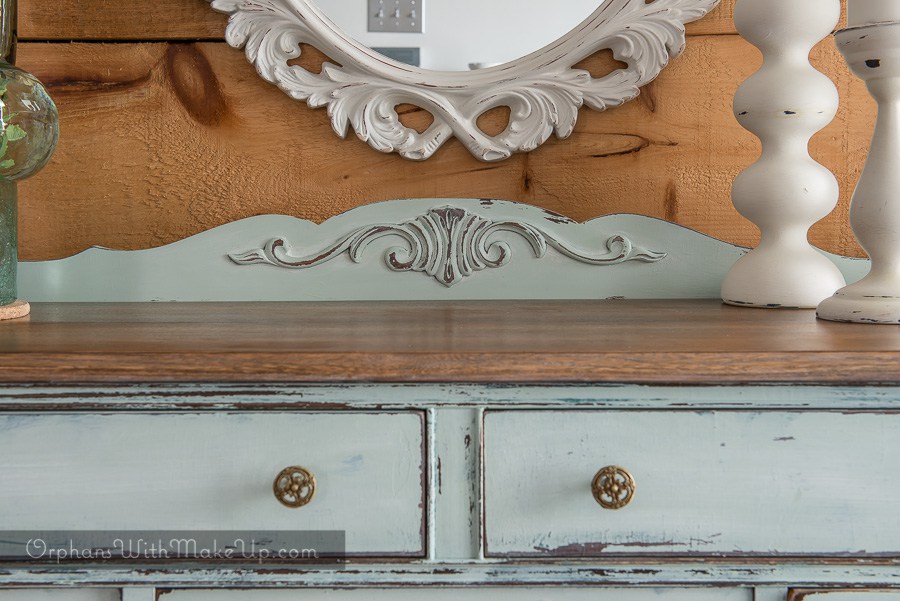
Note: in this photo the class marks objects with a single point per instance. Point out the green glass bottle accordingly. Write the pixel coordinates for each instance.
(29, 131)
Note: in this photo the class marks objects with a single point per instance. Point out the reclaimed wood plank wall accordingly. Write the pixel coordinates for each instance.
(166, 131)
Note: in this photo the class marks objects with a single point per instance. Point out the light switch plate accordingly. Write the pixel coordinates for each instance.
(397, 16)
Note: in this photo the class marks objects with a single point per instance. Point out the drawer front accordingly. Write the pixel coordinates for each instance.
(466, 594)
(215, 472)
(844, 596)
(60, 595)
(708, 483)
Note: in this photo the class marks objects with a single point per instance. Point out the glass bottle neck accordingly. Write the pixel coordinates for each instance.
(8, 31)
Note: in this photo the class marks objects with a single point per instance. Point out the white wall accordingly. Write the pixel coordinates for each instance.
(459, 32)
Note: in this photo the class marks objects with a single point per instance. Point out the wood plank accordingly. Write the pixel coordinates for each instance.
(119, 20)
(695, 342)
(186, 20)
(161, 141)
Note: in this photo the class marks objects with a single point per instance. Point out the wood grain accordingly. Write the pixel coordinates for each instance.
(119, 20)
(690, 342)
(160, 141)
(186, 20)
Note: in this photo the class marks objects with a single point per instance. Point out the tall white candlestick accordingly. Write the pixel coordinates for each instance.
(868, 12)
(873, 54)
(785, 192)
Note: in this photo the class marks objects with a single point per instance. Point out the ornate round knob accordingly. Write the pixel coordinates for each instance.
(613, 487)
(295, 486)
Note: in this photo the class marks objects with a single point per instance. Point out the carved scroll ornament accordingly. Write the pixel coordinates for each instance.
(448, 244)
(542, 90)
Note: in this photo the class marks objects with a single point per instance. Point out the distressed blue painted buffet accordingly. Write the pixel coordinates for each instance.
(494, 402)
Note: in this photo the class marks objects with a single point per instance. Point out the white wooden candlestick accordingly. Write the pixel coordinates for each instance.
(873, 53)
(786, 191)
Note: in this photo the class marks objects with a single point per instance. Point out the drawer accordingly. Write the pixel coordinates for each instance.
(466, 594)
(706, 483)
(855, 595)
(9, 594)
(215, 472)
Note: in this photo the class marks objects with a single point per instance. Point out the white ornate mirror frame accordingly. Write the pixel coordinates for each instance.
(542, 90)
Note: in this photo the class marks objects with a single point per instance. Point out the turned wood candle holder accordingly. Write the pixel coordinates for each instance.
(785, 192)
(873, 53)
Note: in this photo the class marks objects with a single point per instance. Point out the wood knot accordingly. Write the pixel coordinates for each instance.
(195, 84)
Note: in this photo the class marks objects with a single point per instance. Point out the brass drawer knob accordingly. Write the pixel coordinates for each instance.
(613, 487)
(295, 486)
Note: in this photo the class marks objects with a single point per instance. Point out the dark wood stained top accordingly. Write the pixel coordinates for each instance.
(665, 342)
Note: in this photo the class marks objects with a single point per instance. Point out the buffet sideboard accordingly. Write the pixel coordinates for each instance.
(460, 447)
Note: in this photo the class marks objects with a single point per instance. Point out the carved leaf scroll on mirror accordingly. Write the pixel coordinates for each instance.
(542, 90)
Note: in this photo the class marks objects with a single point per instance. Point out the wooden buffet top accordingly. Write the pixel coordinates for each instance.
(664, 342)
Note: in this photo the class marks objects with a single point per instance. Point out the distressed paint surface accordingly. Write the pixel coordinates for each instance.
(765, 593)
(215, 472)
(456, 526)
(272, 397)
(675, 574)
(138, 594)
(198, 268)
(453, 414)
(846, 596)
(518, 594)
(707, 483)
(60, 595)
